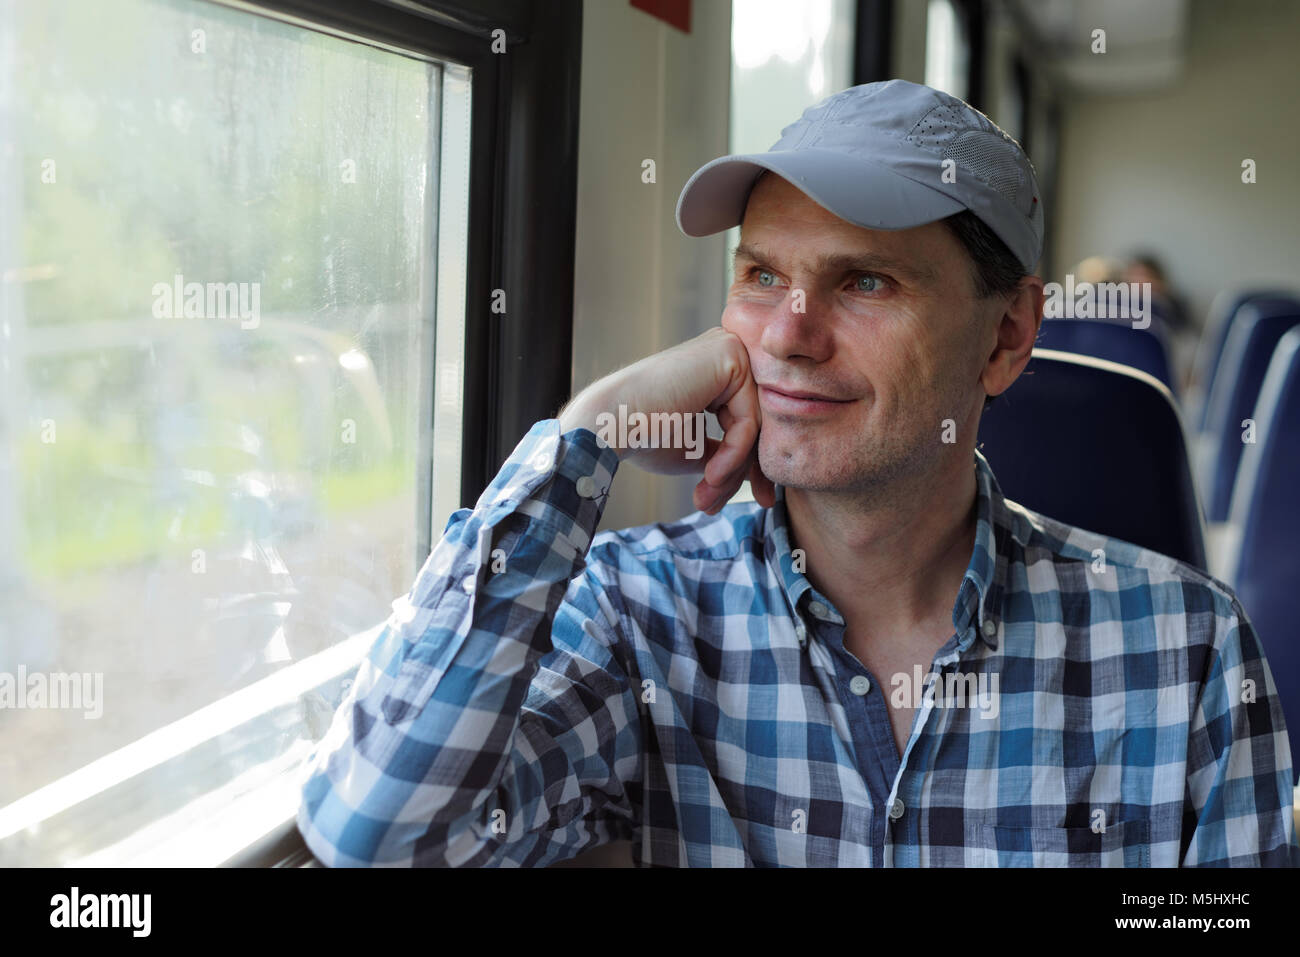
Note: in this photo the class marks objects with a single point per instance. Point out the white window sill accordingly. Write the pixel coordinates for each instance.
(128, 808)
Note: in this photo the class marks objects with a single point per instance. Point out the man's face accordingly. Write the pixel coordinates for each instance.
(891, 331)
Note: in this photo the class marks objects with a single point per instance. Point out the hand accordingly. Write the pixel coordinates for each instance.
(708, 373)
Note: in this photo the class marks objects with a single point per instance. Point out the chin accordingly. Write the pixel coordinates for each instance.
(822, 464)
(807, 467)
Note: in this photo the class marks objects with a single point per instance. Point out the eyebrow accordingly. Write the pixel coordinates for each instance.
(847, 262)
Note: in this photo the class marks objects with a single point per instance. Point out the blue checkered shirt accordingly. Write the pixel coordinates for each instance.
(685, 687)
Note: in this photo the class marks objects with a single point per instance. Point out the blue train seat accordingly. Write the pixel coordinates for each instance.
(1098, 445)
(1105, 339)
(1265, 571)
(1255, 332)
(1217, 326)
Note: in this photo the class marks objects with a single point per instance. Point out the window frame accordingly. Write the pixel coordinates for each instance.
(972, 15)
(873, 41)
(522, 227)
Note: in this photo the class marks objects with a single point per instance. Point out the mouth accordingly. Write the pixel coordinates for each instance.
(799, 402)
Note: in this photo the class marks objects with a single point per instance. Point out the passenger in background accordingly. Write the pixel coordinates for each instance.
(1170, 315)
(1146, 285)
(1105, 271)
(1145, 267)
(1096, 269)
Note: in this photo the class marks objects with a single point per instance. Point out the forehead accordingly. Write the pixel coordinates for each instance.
(782, 225)
(782, 221)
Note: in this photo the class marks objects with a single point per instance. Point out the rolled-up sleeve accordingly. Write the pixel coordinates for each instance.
(494, 721)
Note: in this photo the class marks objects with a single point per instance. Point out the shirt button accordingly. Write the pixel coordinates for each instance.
(467, 584)
(586, 486)
(859, 685)
(818, 609)
(538, 462)
(896, 810)
(990, 627)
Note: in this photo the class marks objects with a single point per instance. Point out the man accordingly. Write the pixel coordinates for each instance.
(737, 688)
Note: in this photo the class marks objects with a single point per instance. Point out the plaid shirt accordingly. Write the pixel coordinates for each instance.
(686, 687)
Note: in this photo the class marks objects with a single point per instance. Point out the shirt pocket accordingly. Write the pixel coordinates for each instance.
(1121, 844)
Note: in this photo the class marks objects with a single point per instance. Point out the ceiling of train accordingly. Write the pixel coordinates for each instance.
(1145, 43)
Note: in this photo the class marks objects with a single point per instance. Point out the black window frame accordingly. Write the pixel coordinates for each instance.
(1024, 82)
(971, 13)
(873, 41)
(522, 226)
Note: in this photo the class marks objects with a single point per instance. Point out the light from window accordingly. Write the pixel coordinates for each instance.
(218, 408)
(946, 49)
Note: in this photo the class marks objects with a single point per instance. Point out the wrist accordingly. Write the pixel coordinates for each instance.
(585, 411)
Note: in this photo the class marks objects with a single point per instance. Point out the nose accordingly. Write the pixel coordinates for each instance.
(798, 328)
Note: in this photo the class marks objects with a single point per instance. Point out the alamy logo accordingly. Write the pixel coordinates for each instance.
(60, 690)
(214, 300)
(652, 430)
(1101, 300)
(102, 910)
(952, 690)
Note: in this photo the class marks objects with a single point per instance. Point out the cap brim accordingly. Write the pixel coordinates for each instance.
(856, 190)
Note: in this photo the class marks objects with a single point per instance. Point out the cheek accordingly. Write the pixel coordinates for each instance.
(744, 321)
(901, 359)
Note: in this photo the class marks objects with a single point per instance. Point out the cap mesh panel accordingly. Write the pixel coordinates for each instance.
(988, 154)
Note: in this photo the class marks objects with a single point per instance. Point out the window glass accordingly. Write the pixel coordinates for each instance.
(784, 58)
(218, 406)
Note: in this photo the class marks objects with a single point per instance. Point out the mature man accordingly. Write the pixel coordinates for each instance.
(725, 690)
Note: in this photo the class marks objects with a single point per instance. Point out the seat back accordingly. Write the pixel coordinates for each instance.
(1100, 446)
(1105, 339)
(1209, 350)
(1265, 572)
(1255, 333)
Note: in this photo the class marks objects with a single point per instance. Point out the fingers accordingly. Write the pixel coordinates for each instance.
(763, 488)
(710, 499)
(714, 365)
(740, 419)
(731, 460)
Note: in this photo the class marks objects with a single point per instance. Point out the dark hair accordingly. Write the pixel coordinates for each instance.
(995, 270)
(1151, 262)
(993, 267)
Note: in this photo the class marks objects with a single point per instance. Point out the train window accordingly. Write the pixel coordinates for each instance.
(785, 57)
(947, 49)
(237, 248)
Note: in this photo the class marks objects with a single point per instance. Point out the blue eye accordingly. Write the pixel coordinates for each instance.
(764, 273)
(874, 280)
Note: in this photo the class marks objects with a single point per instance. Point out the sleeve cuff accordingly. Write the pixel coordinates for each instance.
(570, 472)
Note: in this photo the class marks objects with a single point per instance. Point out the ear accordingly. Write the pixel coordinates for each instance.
(1017, 328)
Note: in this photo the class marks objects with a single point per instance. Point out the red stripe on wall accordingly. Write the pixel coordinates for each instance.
(676, 13)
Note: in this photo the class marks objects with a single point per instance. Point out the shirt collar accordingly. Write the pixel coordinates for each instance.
(977, 611)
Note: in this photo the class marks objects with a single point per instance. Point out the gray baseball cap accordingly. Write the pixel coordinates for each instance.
(876, 156)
